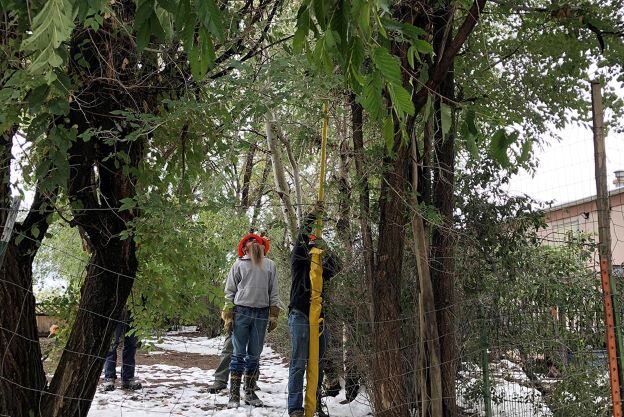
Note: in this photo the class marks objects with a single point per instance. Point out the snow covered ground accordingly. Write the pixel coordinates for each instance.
(511, 394)
(170, 390)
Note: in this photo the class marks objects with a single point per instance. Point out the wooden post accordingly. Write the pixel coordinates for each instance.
(614, 341)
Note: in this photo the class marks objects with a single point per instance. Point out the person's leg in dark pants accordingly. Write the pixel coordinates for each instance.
(299, 339)
(240, 340)
(110, 363)
(257, 332)
(222, 374)
(128, 362)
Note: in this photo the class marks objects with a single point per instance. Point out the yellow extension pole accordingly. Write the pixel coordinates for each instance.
(316, 286)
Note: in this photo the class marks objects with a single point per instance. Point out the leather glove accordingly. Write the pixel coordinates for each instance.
(273, 315)
(227, 314)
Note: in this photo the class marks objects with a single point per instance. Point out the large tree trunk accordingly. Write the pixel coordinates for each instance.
(22, 376)
(98, 182)
(389, 376)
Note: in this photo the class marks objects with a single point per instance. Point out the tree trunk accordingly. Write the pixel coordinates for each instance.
(281, 186)
(442, 256)
(260, 192)
(22, 378)
(98, 182)
(389, 394)
(247, 171)
(295, 167)
(364, 192)
(429, 355)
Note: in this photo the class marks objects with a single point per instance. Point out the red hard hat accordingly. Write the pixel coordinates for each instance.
(261, 240)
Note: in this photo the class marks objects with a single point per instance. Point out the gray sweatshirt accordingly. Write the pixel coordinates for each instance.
(252, 286)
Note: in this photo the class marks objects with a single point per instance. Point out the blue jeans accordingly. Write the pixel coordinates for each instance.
(300, 339)
(128, 353)
(248, 338)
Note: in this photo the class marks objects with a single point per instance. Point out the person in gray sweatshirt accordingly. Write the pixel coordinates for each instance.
(252, 304)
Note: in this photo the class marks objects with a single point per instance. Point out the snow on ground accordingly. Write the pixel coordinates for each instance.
(511, 397)
(178, 391)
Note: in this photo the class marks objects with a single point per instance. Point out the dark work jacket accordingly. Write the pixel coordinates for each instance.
(300, 261)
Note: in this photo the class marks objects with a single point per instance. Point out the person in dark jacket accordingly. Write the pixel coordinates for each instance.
(299, 310)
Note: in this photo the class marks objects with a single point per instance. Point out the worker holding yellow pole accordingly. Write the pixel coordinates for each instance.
(310, 267)
(303, 360)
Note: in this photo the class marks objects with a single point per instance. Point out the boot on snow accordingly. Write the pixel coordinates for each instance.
(235, 383)
(250, 395)
(217, 386)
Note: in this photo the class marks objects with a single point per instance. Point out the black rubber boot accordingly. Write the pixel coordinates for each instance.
(250, 395)
(235, 384)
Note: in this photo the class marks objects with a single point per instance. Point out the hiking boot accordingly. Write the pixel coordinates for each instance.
(255, 382)
(132, 384)
(109, 384)
(298, 413)
(217, 386)
(250, 395)
(235, 383)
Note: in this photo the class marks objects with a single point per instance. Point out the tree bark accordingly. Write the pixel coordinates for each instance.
(281, 186)
(22, 378)
(389, 398)
(247, 171)
(429, 343)
(295, 167)
(442, 254)
(364, 191)
(260, 192)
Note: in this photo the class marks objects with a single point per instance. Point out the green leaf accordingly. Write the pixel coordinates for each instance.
(168, 5)
(372, 100)
(401, 100)
(387, 64)
(210, 16)
(422, 46)
(388, 133)
(50, 28)
(127, 204)
(34, 231)
(500, 144)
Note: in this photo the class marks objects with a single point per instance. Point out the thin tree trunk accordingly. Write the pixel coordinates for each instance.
(260, 193)
(295, 167)
(429, 363)
(281, 186)
(442, 257)
(247, 171)
(364, 191)
(343, 225)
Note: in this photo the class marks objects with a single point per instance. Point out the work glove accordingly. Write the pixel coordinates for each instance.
(273, 315)
(227, 314)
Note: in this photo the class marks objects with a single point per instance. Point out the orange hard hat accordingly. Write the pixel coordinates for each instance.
(252, 236)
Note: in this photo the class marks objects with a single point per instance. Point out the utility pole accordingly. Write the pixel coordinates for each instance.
(612, 319)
